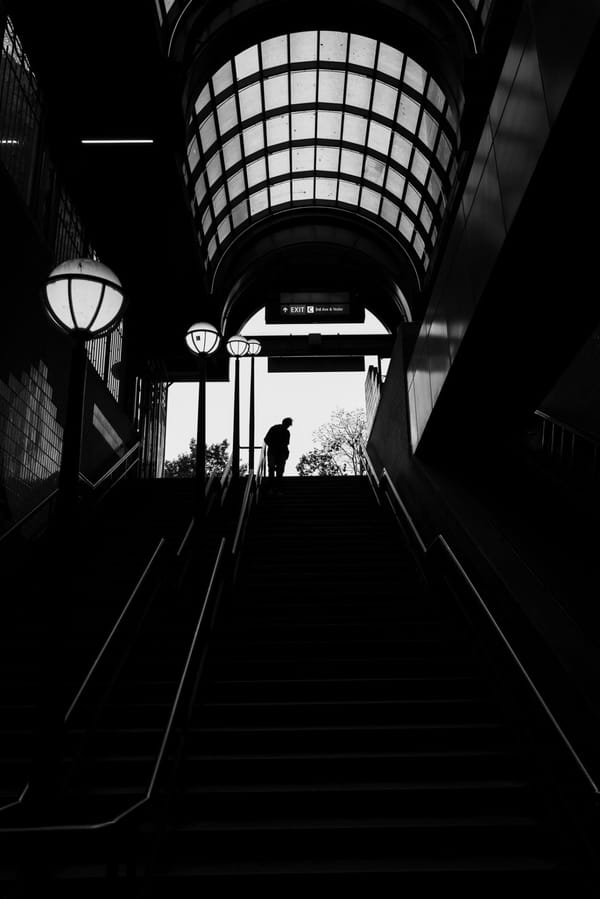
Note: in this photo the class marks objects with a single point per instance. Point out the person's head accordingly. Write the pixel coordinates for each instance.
(287, 422)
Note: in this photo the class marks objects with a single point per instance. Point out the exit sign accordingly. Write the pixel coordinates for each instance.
(314, 306)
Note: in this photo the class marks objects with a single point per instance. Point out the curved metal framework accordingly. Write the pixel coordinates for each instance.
(322, 119)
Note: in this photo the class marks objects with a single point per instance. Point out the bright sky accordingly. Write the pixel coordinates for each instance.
(307, 397)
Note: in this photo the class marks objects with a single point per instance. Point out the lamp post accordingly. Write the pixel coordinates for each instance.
(237, 346)
(202, 339)
(254, 348)
(84, 299)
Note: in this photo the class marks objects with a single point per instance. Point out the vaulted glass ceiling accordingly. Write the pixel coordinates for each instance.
(322, 119)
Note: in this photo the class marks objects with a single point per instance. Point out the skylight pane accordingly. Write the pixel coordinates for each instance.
(303, 159)
(390, 61)
(426, 217)
(200, 189)
(239, 213)
(331, 86)
(412, 199)
(401, 150)
(328, 158)
(280, 193)
(232, 152)
(348, 193)
(408, 113)
(374, 170)
(246, 63)
(362, 51)
(303, 46)
(258, 201)
(414, 75)
(370, 200)
(213, 169)
(419, 245)
(203, 99)
(279, 163)
(303, 125)
(212, 246)
(444, 151)
(379, 137)
(303, 188)
(358, 91)
(351, 162)
(193, 154)
(227, 114)
(434, 186)
(219, 201)
(420, 167)
(395, 182)
(333, 46)
(384, 99)
(207, 220)
(406, 227)
(304, 86)
(223, 78)
(254, 138)
(276, 91)
(250, 101)
(355, 129)
(274, 52)
(325, 188)
(428, 130)
(223, 230)
(256, 172)
(278, 129)
(236, 185)
(208, 132)
(435, 94)
(329, 125)
(390, 212)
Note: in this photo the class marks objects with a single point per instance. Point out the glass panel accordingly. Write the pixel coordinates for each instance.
(193, 154)
(362, 51)
(379, 137)
(328, 158)
(219, 201)
(390, 60)
(401, 150)
(239, 213)
(355, 129)
(435, 186)
(374, 170)
(329, 125)
(348, 193)
(213, 169)
(304, 86)
(254, 138)
(419, 245)
(207, 220)
(331, 86)
(426, 217)
(452, 120)
(370, 200)
(223, 229)
(303, 159)
(408, 113)
(303, 46)
(236, 185)
(412, 199)
(428, 130)
(208, 132)
(444, 151)
(256, 172)
(420, 167)
(246, 63)
(325, 188)
(333, 46)
(227, 113)
(414, 75)
(384, 99)
(203, 99)
(351, 162)
(274, 52)
(276, 91)
(250, 101)
(223, 78)
(389, 212)
(303, 188)
(279, 163)
(435, 95)
(358, 91)
(395, 182)
(406, 227)
(212, 246)
(200, 189)
(258, 201)
(303, 125)
(278, 129)
(280, 193)
(232, 152)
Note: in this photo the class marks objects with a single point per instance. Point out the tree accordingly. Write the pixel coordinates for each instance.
(184, 466)
(337, 446)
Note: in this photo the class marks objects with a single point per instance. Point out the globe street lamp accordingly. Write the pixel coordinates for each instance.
(237, 346)
(202, 340)
(85, 300)
(254, 348)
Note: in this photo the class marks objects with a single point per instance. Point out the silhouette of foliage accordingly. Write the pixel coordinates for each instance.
(337, 446)
(184, 466)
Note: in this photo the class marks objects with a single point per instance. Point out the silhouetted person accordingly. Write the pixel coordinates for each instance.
(277, 439)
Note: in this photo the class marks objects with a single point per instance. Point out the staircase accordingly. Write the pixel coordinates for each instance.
(348, 730)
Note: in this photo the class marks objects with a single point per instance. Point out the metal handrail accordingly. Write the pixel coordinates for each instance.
(30, 514)
(427, 550)
(561, 424)
(107, 474)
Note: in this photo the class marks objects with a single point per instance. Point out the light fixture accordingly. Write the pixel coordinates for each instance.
(202, 339)
(84, 297)
(237, 346)
(254, 346)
